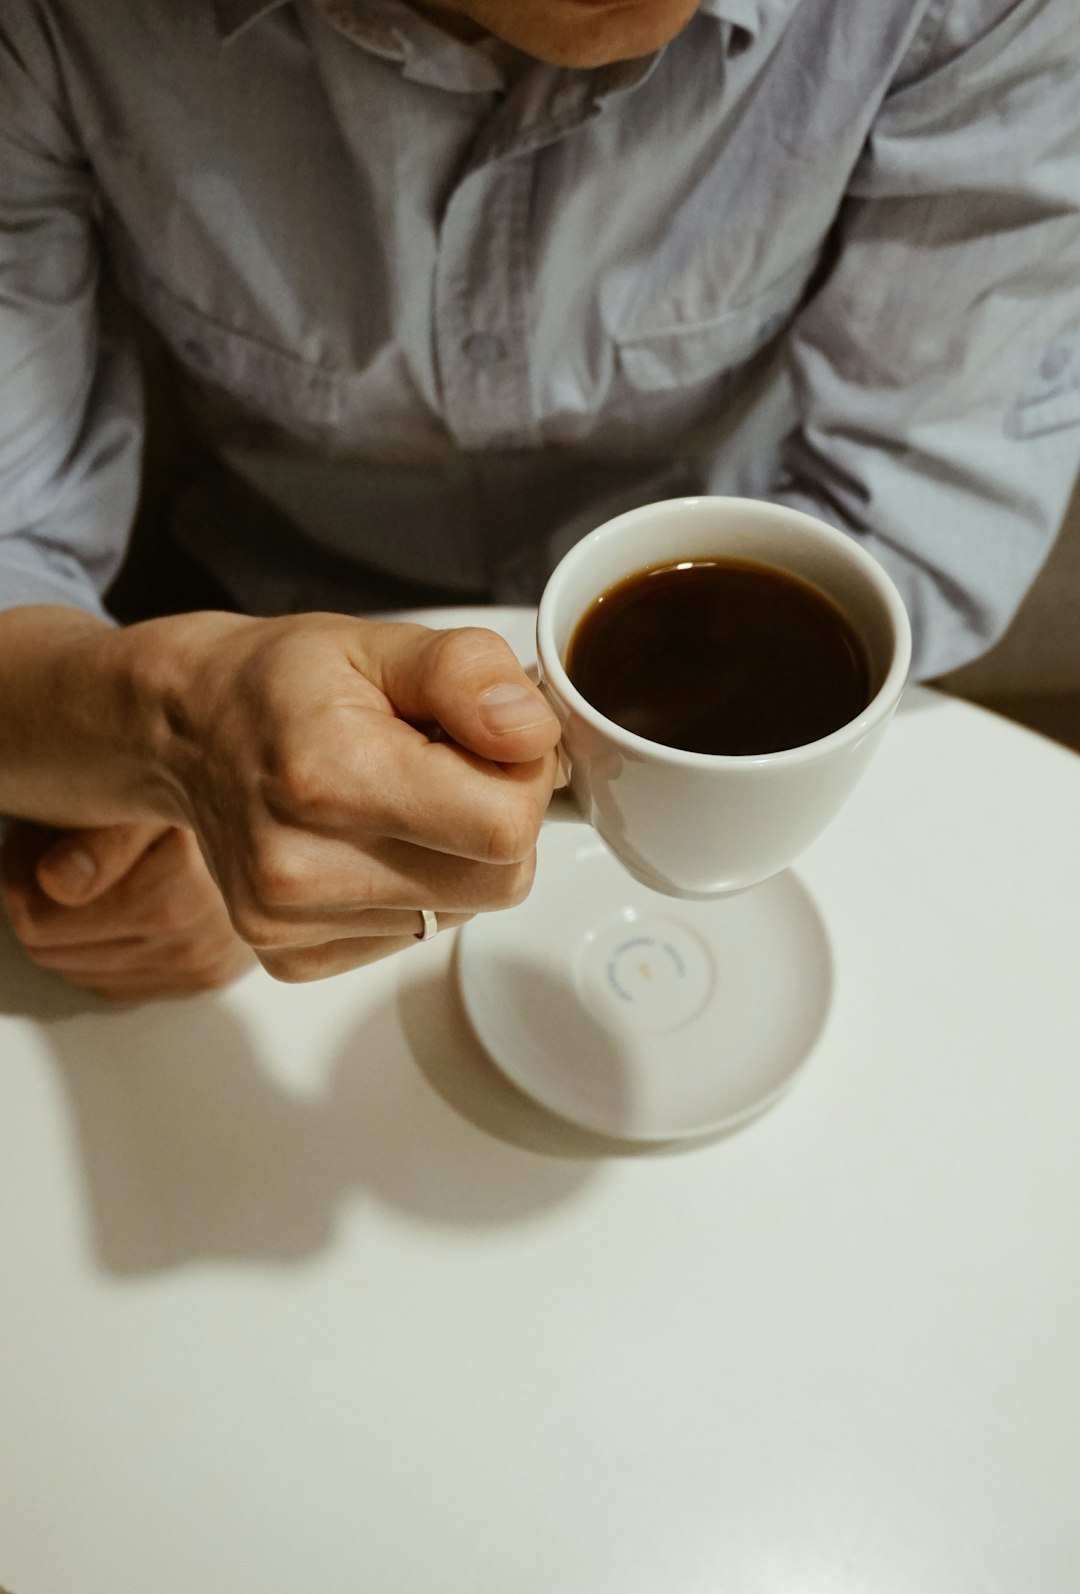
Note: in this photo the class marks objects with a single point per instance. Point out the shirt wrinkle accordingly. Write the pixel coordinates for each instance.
(549, 103)
(233, 16)
(441, 334)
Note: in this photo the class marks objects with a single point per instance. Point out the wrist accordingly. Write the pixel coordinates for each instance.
(89, 714)
(159, 670)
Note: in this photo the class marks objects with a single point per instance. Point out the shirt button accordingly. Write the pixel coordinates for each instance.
(483, 349)
(1055, 361)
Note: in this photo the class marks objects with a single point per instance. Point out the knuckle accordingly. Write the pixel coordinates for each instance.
(211, 977)
(459, 653)
(300, 787)
(461, 644)
(291, 968)
(513, 833)
(192, 960)
(211, 962)
(517, 883)
(260, 929)
(307, 964)
(278, 876)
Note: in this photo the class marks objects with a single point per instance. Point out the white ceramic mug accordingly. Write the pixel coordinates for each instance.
(699, 825)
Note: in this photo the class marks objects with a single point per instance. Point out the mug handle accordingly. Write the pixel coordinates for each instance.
(562, 809)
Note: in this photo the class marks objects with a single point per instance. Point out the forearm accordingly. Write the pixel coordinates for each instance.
(83, 718)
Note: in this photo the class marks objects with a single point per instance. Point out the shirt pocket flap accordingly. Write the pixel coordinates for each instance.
(680, 354)
(1051, 402)
(1051, 413)
(263, 380)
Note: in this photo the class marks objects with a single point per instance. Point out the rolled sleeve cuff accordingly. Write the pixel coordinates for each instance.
(33, 572)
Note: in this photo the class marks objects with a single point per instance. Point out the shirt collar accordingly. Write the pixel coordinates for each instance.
(391, 29)
(235, 15)
(742, 14)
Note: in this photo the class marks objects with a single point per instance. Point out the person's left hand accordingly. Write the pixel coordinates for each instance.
(127, 911)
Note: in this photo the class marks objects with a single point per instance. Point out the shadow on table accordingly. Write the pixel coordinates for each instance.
(192, 1151)
(456, 1066)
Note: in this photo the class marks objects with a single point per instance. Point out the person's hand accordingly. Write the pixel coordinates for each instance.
(126, 911)
(301, 753)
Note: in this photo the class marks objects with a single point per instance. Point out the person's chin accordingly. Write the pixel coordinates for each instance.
(593, 33)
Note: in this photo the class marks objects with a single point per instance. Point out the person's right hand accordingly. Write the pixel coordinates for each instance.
(300, 752)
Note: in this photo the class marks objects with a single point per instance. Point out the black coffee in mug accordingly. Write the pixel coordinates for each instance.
(720, 656)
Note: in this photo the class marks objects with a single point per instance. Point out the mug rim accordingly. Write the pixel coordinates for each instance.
(875, 711)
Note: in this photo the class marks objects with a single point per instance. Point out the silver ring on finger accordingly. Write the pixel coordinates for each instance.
(430, 926)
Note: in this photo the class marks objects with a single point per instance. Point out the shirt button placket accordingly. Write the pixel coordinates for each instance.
(481, 320)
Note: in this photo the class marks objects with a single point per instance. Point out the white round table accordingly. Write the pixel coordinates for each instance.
(299, 1293)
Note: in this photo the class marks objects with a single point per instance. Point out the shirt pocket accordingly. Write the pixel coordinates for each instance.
(237, 372)
(679, 355)
(1052, 402)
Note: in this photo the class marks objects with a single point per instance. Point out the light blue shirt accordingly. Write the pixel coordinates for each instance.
(444, 313)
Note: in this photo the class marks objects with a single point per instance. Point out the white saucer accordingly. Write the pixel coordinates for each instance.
(639, 1015)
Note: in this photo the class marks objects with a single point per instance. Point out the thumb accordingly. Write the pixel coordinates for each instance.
(83, 864)
(470, 683)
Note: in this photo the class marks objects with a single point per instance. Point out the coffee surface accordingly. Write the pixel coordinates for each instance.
(720, 656)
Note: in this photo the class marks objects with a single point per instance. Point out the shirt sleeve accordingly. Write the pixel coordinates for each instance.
(937, 369)
(70, 392)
